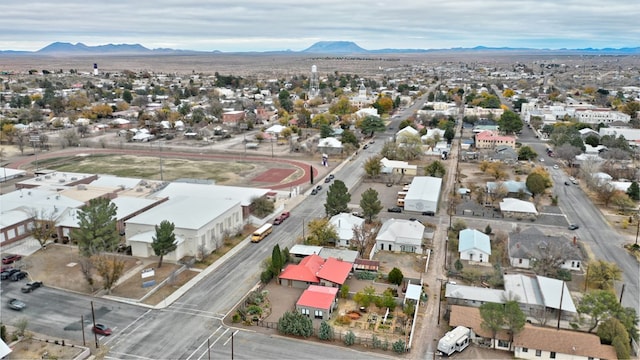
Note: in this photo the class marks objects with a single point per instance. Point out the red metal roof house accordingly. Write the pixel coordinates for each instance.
(318, 301)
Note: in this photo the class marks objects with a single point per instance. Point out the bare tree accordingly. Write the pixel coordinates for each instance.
(568, 153)
(44, 225)
(551, 256)
(362, 238)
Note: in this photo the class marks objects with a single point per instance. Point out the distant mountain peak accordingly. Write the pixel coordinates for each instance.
(80, 48)
(335, 47)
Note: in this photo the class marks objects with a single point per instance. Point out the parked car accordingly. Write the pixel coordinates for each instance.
(429, 213)
(314, 192)
(7, 274)
(327, 180)
(6, 268)
(567, 183)
(30, 286)
(395, 209)
(574, 227)
(285, 215)
(366, 146)
(18, 276)
(556, 167)
(16, 304)
(331, 176)
(277, 221)
(102, 329)
(9, 259)
(319, 187)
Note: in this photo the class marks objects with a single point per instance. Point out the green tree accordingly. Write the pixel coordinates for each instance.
(492, 318)
(338, 198)
(321, 232)
(294, 323)
(623, 350)
(325, 131)
(373, 167)
(97, 229)
(510, 122)
(325, 332)
(592, 140)
(277, 261)
(602, 274)
(514, 318)
(536, 184)
(396, 276)
(609, 328)
(126, 96)
(348, 137)
(365, 297)
(598, 305)
(164, 241)
(370, 204)
(285, 100)
(634, 191)
(372, 124)
(435, 169)
(261, 206)
(527, 153)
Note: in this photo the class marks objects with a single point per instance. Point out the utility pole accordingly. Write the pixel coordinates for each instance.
(560, 307)
(93, 315)
(84, 342)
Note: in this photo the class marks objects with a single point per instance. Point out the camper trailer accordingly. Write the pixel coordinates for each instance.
(455, 340)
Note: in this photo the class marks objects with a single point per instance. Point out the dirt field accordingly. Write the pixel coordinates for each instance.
(28, 349)
(59, 266)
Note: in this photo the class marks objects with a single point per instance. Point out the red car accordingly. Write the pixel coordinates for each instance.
(101, 329)
(9, 259)
(281, 218)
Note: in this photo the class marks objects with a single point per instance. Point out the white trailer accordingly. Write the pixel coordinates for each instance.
(455, 340)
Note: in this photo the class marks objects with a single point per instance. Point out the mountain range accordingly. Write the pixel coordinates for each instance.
(321, 47)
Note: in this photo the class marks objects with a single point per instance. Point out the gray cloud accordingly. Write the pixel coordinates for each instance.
(245, 25)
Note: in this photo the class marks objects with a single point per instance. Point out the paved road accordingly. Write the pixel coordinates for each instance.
(595, 232)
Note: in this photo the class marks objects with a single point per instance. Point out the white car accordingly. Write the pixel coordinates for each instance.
(555, 166)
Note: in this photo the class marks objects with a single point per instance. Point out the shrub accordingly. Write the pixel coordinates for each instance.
(325, 332)
(294, 323)
(396, 276)
(350, 338)
(375, 342)
(254, 310)
(236, 318)
(266, 276)
(398, 347)
(366, 275)
(344, 291)
(343, 320)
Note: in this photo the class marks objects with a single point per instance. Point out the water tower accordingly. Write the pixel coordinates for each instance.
(314, 87)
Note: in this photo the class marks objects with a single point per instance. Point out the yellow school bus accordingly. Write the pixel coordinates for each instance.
(262, 232)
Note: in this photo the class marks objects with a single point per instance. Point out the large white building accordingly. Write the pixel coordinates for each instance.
(598, 116)
(423, 194)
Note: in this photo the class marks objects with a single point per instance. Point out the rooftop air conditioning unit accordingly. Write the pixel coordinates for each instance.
(74, 178)
(61, 180)
(47, 176)
(38, 179)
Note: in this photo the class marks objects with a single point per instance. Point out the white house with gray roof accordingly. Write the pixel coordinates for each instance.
(531, 244)
(344, 224)
(474, 245)
(538, 296)
(400, 235)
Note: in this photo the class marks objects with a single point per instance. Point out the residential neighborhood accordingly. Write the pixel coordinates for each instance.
(492, 206)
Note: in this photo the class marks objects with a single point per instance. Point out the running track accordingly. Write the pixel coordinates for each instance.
(304, 179)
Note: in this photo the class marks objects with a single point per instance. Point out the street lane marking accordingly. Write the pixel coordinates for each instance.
(201, 345)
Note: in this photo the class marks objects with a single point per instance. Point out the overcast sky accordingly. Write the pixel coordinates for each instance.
(252, 25)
